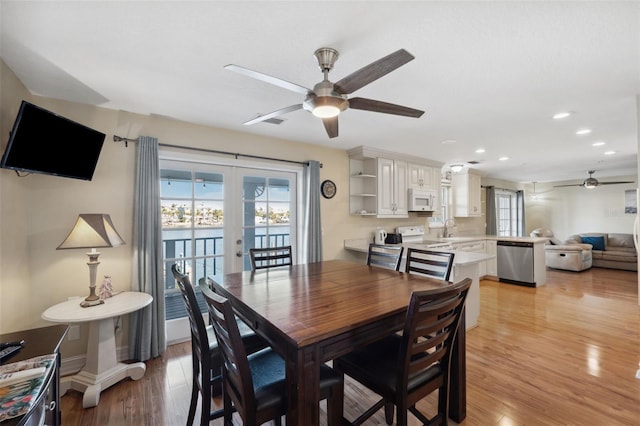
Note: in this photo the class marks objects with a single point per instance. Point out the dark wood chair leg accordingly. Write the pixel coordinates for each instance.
(388, 412)
(206, 400)
(194, 393)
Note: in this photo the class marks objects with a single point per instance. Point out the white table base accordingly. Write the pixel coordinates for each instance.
(102, 368)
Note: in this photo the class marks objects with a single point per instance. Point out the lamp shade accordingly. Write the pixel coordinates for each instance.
(92, 231)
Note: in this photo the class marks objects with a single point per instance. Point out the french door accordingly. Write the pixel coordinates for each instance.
(211, 216)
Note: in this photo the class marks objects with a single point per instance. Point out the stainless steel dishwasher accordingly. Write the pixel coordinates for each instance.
(515, 262)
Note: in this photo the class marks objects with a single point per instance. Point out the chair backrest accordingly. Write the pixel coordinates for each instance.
(271, 257)
(435, 264)
(385, 256)
(238, 384)
(199, 340)
(431, 325)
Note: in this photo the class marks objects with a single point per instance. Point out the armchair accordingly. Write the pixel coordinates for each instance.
(566, 255)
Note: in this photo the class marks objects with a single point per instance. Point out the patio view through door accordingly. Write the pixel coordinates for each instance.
(211, 216)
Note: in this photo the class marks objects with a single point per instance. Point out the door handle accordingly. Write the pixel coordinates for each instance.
(239, 253)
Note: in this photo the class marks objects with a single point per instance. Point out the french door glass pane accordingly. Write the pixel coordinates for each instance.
(192, 205)
(266, 213)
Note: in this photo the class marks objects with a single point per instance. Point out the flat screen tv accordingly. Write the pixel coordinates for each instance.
(44, 142)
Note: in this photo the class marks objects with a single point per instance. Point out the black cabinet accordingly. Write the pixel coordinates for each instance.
(38, 342)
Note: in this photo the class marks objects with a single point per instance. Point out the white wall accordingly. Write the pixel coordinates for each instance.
(573, 210)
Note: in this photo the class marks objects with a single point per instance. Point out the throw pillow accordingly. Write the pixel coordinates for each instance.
(596, 242)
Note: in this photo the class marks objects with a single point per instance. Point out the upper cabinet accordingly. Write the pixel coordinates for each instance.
(392, 188)
(423, 177)
(466, 193)
(379, 181)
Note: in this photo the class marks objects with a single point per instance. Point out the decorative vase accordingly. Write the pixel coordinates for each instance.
(106, 290)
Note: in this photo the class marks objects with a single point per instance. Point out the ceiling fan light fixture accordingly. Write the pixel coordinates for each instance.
(325, 106)
(590, 182)
(326, 111)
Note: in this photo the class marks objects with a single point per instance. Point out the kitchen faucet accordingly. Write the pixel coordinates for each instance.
(449, 222)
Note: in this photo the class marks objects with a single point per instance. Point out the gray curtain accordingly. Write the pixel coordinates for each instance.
(521, 221)
(147, 338)
(490, 196)
(312, 225)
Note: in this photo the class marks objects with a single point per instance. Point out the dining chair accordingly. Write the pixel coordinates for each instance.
(255, 384)
(403, 369)
(270, 257)
(385, 256)
(436, 264)
(205, 353)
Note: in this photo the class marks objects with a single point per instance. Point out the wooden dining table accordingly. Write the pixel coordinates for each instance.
(316, 312)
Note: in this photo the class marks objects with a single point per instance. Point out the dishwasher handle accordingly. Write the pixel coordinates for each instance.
(514, 243)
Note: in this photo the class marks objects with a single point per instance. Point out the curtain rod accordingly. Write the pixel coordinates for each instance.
(500, 189)
(213, 151)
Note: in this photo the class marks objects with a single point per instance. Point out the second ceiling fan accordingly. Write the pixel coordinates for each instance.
(327, 100)
(592, 182)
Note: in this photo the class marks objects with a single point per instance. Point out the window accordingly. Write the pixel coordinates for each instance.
(445, 201)
(509, 214)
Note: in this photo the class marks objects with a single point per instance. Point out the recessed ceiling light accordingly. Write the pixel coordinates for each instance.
(599, 143)
(609, 152)
(448, 141)
(561, 115)
(480, 151)
(503, 158)
(583, 132)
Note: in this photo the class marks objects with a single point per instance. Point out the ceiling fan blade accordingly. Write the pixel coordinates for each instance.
(562, 186)
(331, 126)
(372, 72)
(269, 79)
(273, 114)
(385, 107)
(613, 183)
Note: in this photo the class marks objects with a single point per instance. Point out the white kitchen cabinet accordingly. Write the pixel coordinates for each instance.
(379, 181)
(392, 188)
(466, 194)
(491, 247)
(423, 177)
(478, 246)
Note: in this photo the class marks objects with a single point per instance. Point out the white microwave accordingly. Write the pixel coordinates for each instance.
(422, 200)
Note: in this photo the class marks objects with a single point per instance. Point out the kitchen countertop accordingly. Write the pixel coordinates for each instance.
(461, 257)
(493, 238)
(362, 244)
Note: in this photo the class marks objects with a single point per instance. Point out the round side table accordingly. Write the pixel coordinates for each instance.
(102, 368)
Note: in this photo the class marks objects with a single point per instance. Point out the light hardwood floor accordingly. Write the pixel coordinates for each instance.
(562, 354)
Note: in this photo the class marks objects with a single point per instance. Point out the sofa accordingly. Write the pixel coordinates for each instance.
(609, 250)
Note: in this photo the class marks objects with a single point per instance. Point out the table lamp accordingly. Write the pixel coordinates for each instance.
(92, 231)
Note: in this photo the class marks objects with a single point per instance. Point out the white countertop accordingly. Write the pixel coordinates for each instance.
(461, 257)
(493, 238)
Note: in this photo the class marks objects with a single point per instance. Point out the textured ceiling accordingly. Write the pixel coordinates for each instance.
(488, 74)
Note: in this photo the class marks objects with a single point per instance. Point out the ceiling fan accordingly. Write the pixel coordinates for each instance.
(327, 100)
(592, 182)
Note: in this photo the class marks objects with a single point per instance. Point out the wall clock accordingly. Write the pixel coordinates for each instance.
(328, 189)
